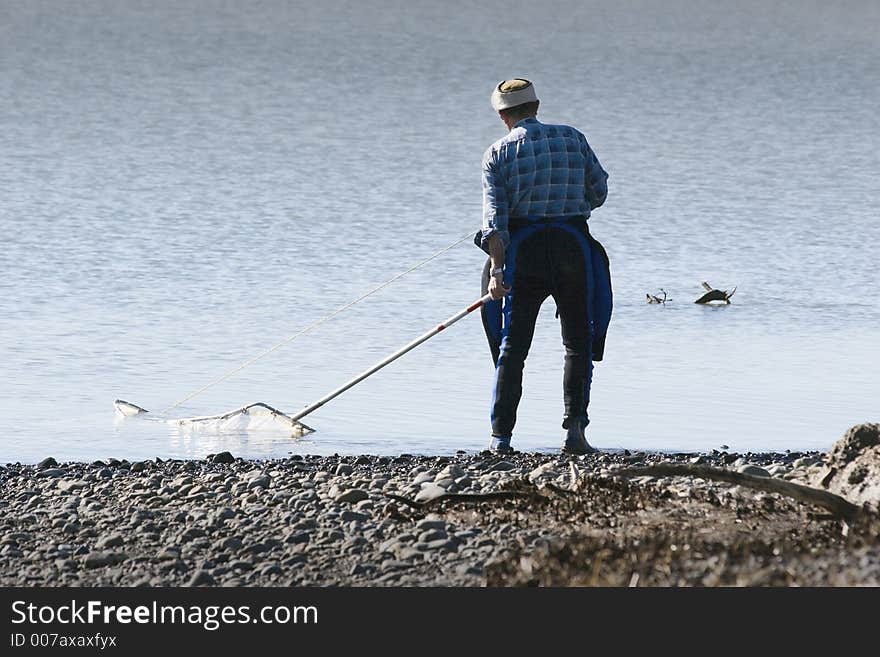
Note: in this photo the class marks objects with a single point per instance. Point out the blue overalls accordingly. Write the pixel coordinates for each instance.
(549, 258)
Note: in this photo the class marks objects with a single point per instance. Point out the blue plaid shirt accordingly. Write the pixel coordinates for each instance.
(539, 172)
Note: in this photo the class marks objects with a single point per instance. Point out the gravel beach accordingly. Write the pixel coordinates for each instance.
(518, 519)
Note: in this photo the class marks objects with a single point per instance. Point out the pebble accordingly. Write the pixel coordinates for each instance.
(429, 491)
(67, 485)
(431, 523)
(201, 578)
(223, 457)
(271, 569)
(432, 535)
(351, 496)
(190, 534)
(99, 559)
(753, 470)
(545, 470)
(110, 541)
(51, 473)
(805, 462)
(259, 481)
(422, 478)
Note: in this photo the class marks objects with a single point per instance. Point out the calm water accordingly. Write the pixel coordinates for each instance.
(183, 184)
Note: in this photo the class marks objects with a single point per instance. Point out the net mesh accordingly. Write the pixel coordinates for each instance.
(252, 417)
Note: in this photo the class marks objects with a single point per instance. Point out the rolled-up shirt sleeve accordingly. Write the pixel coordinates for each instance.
(495, 202)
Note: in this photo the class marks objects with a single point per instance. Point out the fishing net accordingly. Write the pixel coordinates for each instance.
(252, 417)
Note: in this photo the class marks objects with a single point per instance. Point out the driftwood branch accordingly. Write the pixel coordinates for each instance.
(653, 298)
(461, 497)
(715, 295)
(836, 504)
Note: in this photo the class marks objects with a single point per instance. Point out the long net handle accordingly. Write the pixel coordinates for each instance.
(312, 326)
(390, 359)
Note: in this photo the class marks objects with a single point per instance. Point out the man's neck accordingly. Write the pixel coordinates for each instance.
(512, 123)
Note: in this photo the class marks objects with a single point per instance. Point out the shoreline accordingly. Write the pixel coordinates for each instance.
(503, 520)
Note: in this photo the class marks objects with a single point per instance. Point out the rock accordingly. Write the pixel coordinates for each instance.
(190, 534)
(224, 513)
(501, 466)
(47, 463)
(137, 466)
(343, 469)
(422, 478)
(169, 554)
(753, 470)
(201, 578)
(433, 535)
(349, 516)
(451, 471)
(443, 544)
(546, 470)
(99, 559)
(351, 496)
(297, 537)
(804, 462)
(51, 473)
(412, 553)
(271, 569)
(855, 443)
(429, 491)
(109, 541)
(853, 466)
(231, 543)
(223, 457)
(430, 523)
(105, 473)
(71, 484)
(258, 481)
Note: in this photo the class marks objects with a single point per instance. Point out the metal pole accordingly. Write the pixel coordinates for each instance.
(389, 359)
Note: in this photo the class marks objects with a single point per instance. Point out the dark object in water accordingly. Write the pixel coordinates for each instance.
(651, 298)
(715, 295)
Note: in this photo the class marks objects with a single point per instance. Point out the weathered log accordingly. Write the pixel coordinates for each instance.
(462, 497)
(837, 505)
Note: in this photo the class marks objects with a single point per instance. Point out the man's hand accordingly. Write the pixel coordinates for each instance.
(496, 286)
(496, 257)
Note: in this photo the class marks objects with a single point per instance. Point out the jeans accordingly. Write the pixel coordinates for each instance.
(550, 262)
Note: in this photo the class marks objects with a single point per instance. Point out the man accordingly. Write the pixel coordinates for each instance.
(540, 184)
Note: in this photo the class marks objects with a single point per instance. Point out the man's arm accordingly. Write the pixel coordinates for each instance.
(495, 220)
(595, 178)
(496, 256)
